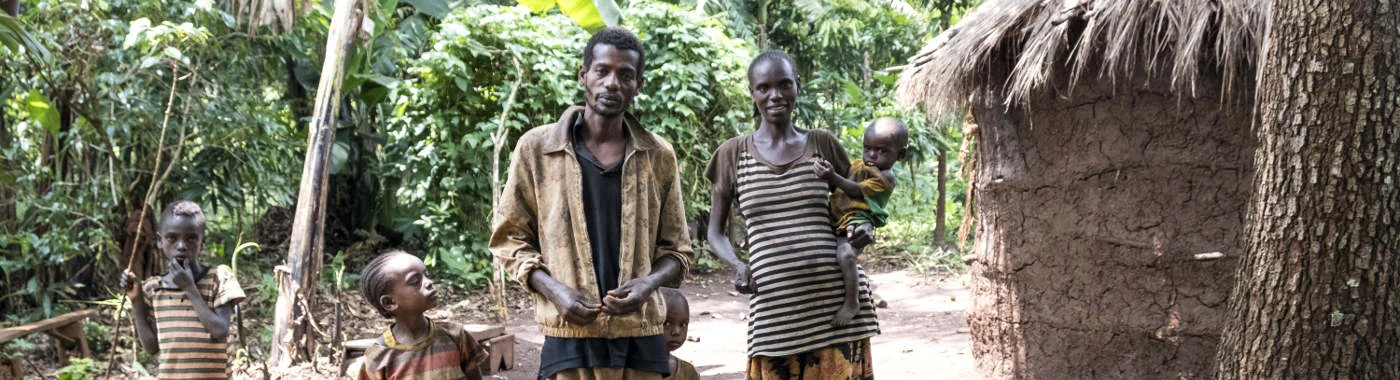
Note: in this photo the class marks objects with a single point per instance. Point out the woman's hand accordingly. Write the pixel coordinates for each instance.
(861, 236)
(743, 280)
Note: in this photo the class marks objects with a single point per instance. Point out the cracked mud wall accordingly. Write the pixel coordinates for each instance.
(1091, 207)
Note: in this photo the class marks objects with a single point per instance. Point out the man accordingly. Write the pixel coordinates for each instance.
(591, 222)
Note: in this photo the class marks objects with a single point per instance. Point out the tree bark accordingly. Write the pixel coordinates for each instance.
(294, 339)
(1318, 292)
(7, 193)
(11, 7)
(940, 222)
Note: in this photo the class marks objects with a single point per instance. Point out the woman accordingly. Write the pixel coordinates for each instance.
(792, 272)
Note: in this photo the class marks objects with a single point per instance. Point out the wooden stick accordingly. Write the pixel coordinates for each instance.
(498, 138)
(141, 218)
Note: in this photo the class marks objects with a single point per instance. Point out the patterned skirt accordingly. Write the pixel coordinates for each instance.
(841, 361)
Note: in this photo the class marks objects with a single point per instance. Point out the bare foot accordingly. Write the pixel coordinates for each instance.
(845, 314)
(879, 301)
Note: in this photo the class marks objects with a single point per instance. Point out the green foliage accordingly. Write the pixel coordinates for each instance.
(447, 111)
(15, 349)
(81, 369)
(99, 336)
(420, 126)
(86, 124)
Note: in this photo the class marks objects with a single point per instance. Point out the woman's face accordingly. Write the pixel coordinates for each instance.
(773, 88)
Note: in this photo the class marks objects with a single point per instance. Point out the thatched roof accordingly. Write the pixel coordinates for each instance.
(1095, 39)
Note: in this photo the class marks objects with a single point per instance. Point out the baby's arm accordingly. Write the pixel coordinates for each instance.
(824, 170)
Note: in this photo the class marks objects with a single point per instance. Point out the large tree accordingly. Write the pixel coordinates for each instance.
(1318, 291)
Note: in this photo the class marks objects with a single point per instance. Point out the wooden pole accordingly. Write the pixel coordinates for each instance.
(294, 340)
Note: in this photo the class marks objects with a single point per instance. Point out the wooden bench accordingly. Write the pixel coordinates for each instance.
(500, 348)
(66, 330)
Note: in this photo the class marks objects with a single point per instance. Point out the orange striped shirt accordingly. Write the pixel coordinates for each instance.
(449, 353)
(187, 351)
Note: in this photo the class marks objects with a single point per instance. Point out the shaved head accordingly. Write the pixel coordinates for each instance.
(890, 129)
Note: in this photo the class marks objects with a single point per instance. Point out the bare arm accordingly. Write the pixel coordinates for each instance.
(568, 301)
(720, 244)
(214, 319)
(826, 172)
(141, 314)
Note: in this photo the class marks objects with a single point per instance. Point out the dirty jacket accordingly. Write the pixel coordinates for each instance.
(539, 224)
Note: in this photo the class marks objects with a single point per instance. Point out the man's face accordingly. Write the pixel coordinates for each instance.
(612, 80)
(181, 239)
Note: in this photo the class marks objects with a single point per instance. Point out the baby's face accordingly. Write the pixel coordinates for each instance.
(881, 151)
(677, 323)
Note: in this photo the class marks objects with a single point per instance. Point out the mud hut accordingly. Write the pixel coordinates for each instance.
(1111, 162)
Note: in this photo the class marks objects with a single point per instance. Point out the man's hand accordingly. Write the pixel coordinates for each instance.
(130, 285)
(629, 297)
(861, 236)
(743, 280)
(823, 170)
(573, 307)
(181, 275)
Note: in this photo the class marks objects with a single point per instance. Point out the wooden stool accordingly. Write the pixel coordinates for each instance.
(500, 347)
(66, 330)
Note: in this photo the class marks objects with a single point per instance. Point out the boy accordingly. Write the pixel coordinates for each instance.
(397, 285)
(191, 303)
(676, 327)
(863, 197)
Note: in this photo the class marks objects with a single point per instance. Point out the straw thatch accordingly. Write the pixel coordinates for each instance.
(1094, 39)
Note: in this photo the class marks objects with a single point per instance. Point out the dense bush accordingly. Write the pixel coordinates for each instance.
(452, 104)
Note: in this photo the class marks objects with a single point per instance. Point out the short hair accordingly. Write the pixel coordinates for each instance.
(899, 132)
(673, 294)
(621, 39)
(772, 55)
(183, 209)
(373, 282)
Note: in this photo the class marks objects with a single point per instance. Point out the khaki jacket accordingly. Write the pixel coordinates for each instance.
(539, 224)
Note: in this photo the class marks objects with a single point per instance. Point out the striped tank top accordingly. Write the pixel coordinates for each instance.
(792, 256)
(187, 351)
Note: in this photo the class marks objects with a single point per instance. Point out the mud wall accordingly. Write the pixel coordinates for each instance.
(1091, 207)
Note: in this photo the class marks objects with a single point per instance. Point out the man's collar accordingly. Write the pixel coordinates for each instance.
(561, 138)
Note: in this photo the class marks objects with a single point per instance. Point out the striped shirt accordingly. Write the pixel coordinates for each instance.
(449, 353)
(792, 249)
(187, 351)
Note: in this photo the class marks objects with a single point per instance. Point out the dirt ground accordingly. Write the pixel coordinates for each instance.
(923, 331)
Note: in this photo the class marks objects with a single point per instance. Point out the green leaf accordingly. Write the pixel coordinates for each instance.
(436, 8)
(41, 110)
(537, 6)
(13, 35)
(340, 153)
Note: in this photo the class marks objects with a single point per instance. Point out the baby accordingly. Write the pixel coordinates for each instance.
(863, 197)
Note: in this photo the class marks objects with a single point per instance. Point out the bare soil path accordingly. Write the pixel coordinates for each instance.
(923, 331)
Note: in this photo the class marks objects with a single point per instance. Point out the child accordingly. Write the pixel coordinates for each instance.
(677, 325)
(191, 303)
(414, 347)
(863, 197)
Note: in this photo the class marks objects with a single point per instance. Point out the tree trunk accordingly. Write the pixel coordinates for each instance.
(7, 193)
(294, 338)
(11, 7)
(1318, 291)
(940, 221)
